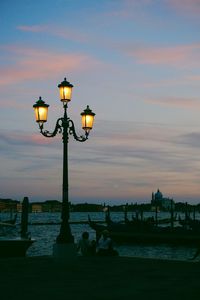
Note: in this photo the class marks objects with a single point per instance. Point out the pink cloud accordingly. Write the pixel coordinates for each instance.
(176, 56)
(131, 9)
(22, 138)
(55, 31)
(34, 28)
(180, 102)
(35, 64)
(194, 78)
(145, 11)
(139, 9)
(36, 139)
(185, 6)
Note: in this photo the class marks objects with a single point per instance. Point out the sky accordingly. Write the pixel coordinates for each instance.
(136, 64)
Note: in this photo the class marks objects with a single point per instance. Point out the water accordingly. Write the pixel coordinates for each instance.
(45, 236)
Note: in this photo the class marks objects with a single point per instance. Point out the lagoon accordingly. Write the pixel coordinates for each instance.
(45, 236)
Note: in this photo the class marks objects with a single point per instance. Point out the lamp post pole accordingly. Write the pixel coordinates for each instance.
(65, 126)
(65, 231)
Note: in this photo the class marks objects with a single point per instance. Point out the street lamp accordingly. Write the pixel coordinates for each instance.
(65, 126)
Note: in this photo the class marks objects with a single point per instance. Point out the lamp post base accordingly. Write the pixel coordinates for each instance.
(65, 236)
(64, 253)
(65, 239)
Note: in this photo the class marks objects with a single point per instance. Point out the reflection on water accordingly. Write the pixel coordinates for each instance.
(45, 236)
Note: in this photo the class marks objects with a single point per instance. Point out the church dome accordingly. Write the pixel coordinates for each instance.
(158, 195)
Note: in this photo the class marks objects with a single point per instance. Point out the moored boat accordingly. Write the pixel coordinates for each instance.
(11, 221)
(139, 234)
(14, 247)
(11, 246)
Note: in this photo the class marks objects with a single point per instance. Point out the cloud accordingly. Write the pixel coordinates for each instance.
(179, 102)
(183, 80)
(22, 138)
(33, 28)
(144, 10)
(180, 55)
(36, 64)
(191, 139)
(122, 159)
(24, 153)
(55, 31)
(131, 9)
(187, 7)
(135, 145)
(136, 158)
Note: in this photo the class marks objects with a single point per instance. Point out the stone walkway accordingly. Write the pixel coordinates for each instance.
(102, 278)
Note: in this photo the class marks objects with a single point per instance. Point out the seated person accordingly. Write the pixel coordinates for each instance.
(85, 246)
(105, 245)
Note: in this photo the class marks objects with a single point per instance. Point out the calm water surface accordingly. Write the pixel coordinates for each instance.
(45, 236)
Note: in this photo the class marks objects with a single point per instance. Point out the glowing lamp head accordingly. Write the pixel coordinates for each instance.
(87, 119)
(41, 111)
(65, 88)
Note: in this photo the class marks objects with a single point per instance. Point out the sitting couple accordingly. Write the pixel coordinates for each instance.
(103, 247)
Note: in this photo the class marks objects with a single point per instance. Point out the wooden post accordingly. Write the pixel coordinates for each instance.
(172, 214)
(156, 215)
(24, 218)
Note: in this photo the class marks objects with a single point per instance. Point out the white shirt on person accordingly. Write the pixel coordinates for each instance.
(104, 243)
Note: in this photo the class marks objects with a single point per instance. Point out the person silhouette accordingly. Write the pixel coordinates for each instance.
(85, 246)
(105, 245)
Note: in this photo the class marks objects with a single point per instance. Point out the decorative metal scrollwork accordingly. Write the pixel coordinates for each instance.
(61, 124)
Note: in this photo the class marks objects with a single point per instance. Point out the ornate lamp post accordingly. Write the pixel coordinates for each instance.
(65, 126)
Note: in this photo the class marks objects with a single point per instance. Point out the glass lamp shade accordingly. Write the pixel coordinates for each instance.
(87, 119)
(41, 111)
(65, 88)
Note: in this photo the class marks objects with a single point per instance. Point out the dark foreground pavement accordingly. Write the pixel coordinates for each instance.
(98, 278)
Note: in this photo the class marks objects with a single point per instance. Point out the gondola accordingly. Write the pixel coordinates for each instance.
(9, 222)
(192, 224)
(148, 234)
(12, 246)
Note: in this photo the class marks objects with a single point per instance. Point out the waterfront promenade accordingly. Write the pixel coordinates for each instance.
(98, 278)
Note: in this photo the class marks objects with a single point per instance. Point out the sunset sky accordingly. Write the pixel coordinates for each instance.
(136, 63)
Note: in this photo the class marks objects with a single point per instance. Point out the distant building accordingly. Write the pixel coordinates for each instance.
(161, 202)
(36, 207)
(52, 206)
(19, 207)
(47, 206)
(8, 205)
